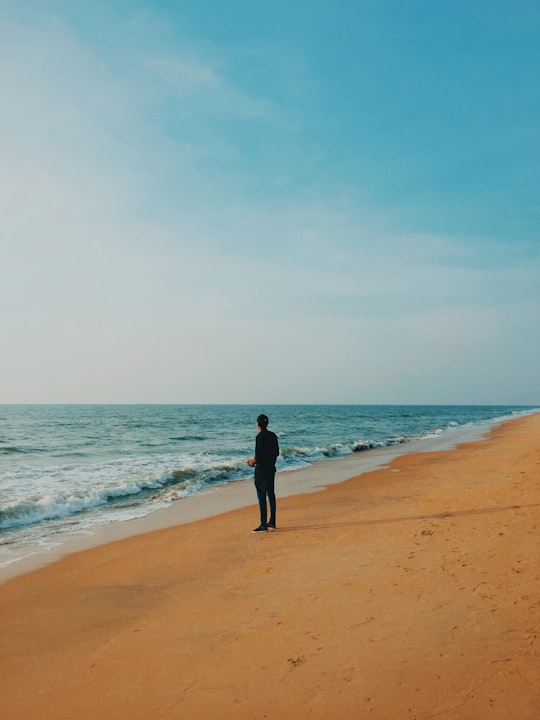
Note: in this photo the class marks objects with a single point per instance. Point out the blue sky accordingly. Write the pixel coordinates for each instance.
(285, 202)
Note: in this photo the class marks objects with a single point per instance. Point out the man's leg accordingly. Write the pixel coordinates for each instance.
(271, 498)
(260, 486)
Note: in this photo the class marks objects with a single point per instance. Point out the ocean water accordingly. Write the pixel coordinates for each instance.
(68, 469)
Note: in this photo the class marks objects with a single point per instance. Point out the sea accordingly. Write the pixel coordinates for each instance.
(70, 469)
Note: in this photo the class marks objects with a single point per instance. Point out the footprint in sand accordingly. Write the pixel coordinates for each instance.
(294, 662)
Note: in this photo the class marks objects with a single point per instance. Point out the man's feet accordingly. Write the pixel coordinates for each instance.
(271, 526)
(261, 528)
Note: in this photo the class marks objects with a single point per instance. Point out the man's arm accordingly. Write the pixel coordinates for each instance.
(276, 445)
(253, 461)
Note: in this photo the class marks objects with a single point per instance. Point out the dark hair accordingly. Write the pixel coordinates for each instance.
(262, 421)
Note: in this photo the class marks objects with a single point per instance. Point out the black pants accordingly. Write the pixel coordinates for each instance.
(264, 484)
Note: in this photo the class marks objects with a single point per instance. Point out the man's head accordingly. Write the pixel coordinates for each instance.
(262, 422)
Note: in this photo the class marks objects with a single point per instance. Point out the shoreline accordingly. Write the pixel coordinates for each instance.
(239, 494)
(412, 591)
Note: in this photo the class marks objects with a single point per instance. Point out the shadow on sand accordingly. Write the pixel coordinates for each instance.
(384, 521)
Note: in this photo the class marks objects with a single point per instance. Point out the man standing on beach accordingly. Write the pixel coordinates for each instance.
(264, 462)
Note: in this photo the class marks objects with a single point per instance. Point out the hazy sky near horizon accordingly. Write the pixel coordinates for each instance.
(298, 201)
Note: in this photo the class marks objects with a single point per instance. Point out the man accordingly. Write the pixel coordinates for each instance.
(264, 462)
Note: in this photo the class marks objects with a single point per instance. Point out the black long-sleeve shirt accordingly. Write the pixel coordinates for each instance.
(266, 449)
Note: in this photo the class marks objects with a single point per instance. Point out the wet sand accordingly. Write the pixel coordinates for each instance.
(411, 591)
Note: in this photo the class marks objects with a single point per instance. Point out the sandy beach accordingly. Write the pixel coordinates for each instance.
(411, 591)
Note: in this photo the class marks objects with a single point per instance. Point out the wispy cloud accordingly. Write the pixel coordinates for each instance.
(186, 76)
(195, 88)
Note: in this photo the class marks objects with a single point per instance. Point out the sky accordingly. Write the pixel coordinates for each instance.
(300, 201)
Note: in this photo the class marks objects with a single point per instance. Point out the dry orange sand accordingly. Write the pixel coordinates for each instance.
(410, 592)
